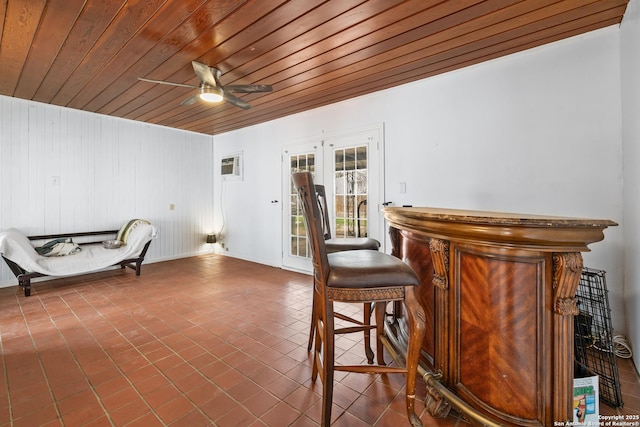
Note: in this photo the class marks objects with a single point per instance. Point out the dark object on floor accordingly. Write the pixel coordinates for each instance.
(594, 348)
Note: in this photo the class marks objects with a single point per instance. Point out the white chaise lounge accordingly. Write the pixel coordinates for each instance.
(20, 255)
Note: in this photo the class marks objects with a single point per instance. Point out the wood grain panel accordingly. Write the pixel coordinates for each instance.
(157, 115)
(249, 35)
(95, 18)
(313, 65)
(127, 22)
(436, 61)
(497, 298)
(16, 40)
(178, 70)
(46, 45)
(125, 66)
(170, 44)
(89, 54)
(318, 37)
(3, 16)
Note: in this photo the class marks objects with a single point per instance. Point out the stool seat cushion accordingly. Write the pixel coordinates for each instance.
(368, 269)
(351, 244)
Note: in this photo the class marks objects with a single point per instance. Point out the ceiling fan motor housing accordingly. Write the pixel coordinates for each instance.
(211, 93)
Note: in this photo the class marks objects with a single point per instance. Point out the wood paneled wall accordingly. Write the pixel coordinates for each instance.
(63, 170)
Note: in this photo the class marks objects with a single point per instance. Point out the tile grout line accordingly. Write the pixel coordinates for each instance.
(6, 379)
(35, 347)
(174, 352)
(77, 362)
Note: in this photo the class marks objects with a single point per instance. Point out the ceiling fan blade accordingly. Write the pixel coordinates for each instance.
(248, 88)
(204, 73)
(191, 100)
(234, 100)
(162, 82)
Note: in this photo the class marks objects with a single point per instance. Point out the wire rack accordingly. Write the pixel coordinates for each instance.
(594, 348)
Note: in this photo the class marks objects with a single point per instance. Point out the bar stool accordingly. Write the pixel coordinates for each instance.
(339, 245)
(363, 276)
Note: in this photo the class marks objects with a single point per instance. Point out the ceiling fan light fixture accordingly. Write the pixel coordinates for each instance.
(211, 94)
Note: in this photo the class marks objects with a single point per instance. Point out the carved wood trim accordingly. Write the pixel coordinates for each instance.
(566, 306)
(440, 256)
(436, 404)
(366, 295)
(567, 268)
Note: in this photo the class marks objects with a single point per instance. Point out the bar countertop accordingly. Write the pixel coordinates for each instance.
(534, 231)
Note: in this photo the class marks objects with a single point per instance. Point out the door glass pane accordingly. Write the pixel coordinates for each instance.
(350, 192)
(350, 159)
(339, 158)
(297, 230)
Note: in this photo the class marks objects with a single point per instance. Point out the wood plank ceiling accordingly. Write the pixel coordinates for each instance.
(88, 54)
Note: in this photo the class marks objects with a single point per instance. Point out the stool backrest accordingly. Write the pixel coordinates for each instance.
(303, 182)
(324, 211)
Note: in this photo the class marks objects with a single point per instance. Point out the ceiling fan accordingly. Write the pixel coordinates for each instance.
(211, 90)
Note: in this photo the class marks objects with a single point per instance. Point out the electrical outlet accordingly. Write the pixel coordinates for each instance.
(171, 207)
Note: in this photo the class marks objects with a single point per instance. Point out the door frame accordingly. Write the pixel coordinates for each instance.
(317, 143)
(314, 145)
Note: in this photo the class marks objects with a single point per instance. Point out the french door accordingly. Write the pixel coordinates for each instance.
(350, 167)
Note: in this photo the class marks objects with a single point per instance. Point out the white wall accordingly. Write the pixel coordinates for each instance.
(245, 213)
(110, 170)
(630, 70)
(535, 132)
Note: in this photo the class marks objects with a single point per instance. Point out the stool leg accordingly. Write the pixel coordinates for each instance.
(417, 328)
(366, 321)
(328, 364)
(380, 307)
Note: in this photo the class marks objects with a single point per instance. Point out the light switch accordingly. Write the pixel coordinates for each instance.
(171, 207)
(403, 187)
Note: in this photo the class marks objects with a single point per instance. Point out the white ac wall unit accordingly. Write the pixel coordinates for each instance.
(231, 166)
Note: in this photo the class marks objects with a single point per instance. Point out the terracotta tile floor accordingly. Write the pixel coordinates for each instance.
(201, 341)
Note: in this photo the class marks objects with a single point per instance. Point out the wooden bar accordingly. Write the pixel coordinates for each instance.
(498, 290)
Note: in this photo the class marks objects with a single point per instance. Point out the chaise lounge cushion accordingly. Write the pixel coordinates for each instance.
(126, 229)
(15, 246)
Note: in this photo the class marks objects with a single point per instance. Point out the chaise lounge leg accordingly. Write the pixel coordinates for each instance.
(26, 284)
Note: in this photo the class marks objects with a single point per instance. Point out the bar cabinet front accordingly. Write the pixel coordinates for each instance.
(498, 292)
